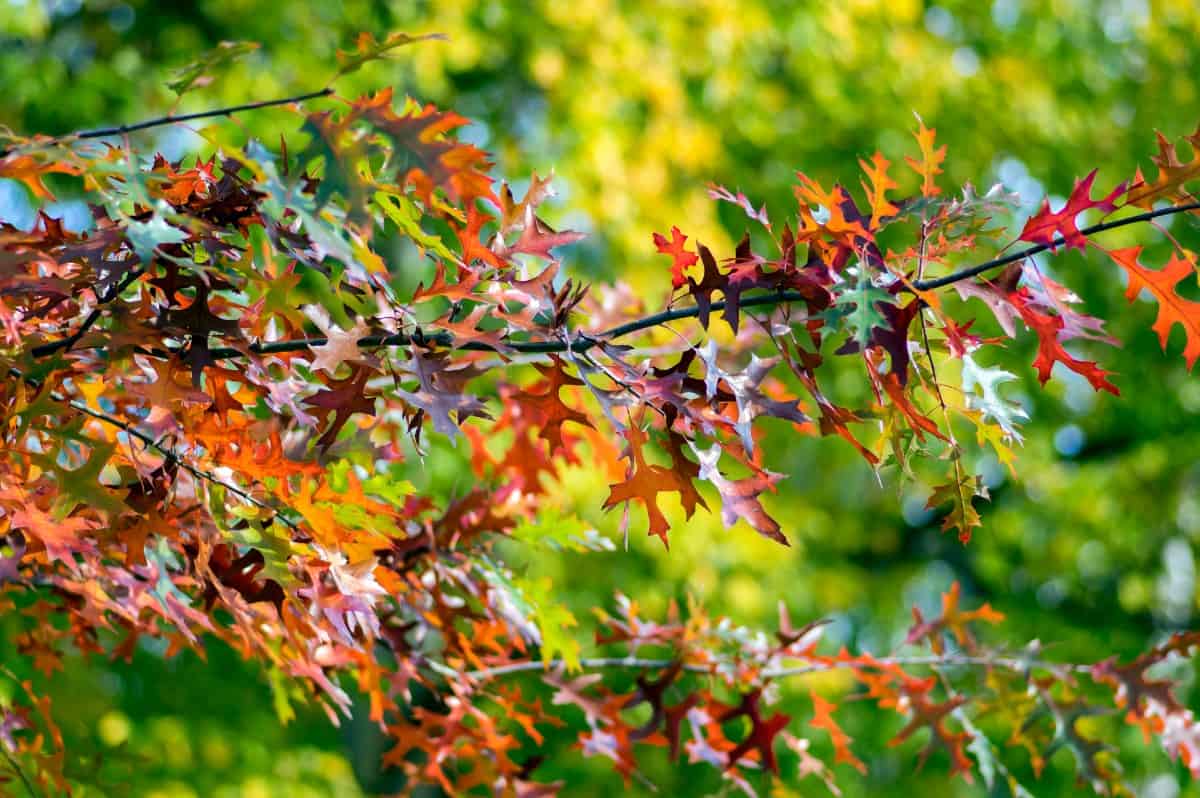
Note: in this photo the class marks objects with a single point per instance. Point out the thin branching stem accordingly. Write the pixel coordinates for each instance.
(948, 660)
(170, 455)
(585, 342)
(174, 457)
(16, 768)
(170, 119)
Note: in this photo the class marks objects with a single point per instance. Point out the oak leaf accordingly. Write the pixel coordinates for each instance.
(1172, 308)
(1045, 226)
(645, 481)
(680, 257)
(739, 497)
(1050, 349)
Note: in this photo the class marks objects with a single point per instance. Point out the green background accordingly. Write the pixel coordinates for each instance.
(637, 105)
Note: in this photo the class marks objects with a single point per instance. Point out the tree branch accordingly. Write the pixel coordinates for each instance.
(70, 341)
(588, 341)
(174, 457)
(171, 119)
(585, 342)
(974, 271)
(948, 660)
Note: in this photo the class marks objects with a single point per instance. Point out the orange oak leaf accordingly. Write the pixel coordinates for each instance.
(952, 620)
(544, 408)
(890, 385)
(29, 171)
(435, 159)
(823, 719)
(473, 247)
(1172, 308)
(1172, 174)
(681, 258)
(645, 481)
(930, 164)
(880, 183)
(924, 711)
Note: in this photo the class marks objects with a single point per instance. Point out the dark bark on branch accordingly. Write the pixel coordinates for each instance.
(581, 342)
(171, 119)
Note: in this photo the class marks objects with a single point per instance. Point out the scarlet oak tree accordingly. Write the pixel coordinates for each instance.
(213, 392)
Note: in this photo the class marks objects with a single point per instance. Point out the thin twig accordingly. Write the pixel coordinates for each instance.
(955, 451)
(174, 457)
(170, 455)
(950, 660)
(974, 271)
(171, 119)
(16, 768)
(70, 341)
(585, 343)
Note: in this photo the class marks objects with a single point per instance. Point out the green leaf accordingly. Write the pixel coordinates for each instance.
(988, 399)
(82, 485)
(859, 306)
(286, 201)
(370, 49)
(959, 493)
(279, 696)
(147, 236)
(343, 155)
(194, 75)
(404, 214)
(531, 601)
(561, 533)
(271, 540)
(553, 620)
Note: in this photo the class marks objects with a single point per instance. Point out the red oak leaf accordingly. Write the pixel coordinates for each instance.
(762, 730)
(538, 238)
(1050, 348)
(739, 497)
(1045, 226)
(343, 398)
(681, 258)
(702, 291)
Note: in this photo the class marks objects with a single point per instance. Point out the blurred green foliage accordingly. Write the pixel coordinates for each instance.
(637, 105)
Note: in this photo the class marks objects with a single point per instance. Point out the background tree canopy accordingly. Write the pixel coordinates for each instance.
(637, 106)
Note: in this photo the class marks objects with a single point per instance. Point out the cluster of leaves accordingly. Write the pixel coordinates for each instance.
(213, 395)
